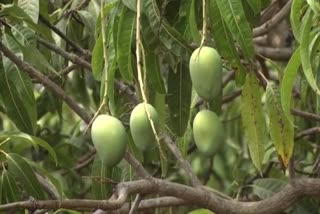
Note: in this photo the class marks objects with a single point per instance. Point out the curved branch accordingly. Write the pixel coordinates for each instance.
(278, 54)
(45, 81)
(280, 201)
(264, 28)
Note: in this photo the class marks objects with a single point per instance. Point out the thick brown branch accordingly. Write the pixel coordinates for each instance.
(280, 201)
(278, 54)
(265, 28)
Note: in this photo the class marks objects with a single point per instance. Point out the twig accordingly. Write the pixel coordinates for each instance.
(138, 168)
(72, 57)
(306, 115)
(184, 163)
(266, 27)
(135, 204)
(64, 37)
(278, 54)
(45, 81)
(310, 131)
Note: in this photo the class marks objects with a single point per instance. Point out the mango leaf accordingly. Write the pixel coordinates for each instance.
(315, 6)
(255, 5)
(233, 14)
(224, 41)
(97, 59)
(193, 23)
(35, 141)
(30, 7)
(289, 76)
(23, 172)
(253, 119)
(124, 43)
(305, 51)
(179, 97)
(101, 189)
(152, 70)
(281, 130)
(10, 191)
(295, 17)
(14, 104)
(266, 187)
(168, 35)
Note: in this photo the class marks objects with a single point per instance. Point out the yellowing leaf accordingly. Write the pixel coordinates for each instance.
(281, 130)
(253, 119)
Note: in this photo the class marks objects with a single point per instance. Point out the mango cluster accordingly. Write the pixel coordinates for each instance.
(109, 135)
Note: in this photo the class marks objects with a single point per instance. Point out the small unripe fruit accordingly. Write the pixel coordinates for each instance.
(207, 132)
(109, 138)
(140, 126)
(206, 72)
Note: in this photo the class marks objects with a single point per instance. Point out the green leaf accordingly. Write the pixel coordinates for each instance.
(281, 130)
(289, 76)
(100, 188)
(14, 104)
(315, 6)
(35, 141)
(168, 35)
(305, 51)
(266, 187)
(124, 43)
(193, 23)
(295, 16)
(10, 191)
(255, 5)
(30, 7)
(224, 41)
(97, 59)
(233, 14)
(152, 70)
(23, 172)
(253, 119)
(179, 97)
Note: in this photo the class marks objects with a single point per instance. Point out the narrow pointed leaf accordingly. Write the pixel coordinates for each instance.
(253, 119)
(23, 172)
(281, 130)
(124, 43)
(168, 35)
(224, 41)
(179, 97)
(233, 14)
(193, 23)
(295, 18)
(287, 82)
(100, 188)
(153, 72)
(97, 59)
(305, 51)
(9, 187)
(255, 5)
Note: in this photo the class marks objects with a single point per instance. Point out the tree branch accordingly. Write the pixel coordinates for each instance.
(64, 37)
(45, 81)
(278, 54)
(280, 201)
(267, 26)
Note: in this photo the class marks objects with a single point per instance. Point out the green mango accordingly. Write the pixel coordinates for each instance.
(140, 126)
(109, 138)
(206, 72)
(208, 132)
